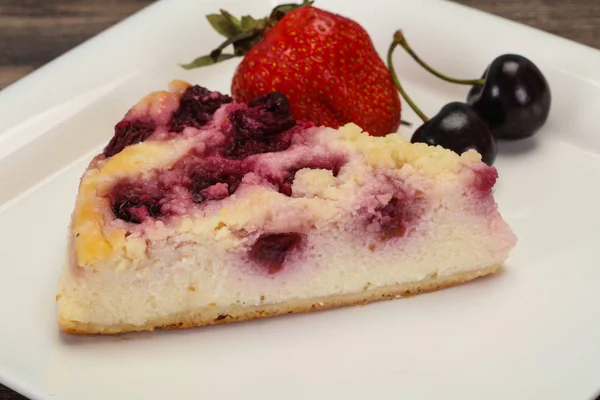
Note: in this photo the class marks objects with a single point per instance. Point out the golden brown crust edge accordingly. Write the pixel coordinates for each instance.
(236, 312)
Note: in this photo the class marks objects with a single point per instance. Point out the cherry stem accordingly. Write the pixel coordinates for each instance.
(412, 105)
(399, 36)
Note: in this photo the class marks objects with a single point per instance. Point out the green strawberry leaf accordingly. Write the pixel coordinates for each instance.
(282, 9)
(231, 18)
(285, 8)
(223, 25)
(243, 37)
(242, 34)
(207, 60)
(249, 23)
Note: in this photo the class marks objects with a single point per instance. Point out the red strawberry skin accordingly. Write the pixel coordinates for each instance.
(328, 68)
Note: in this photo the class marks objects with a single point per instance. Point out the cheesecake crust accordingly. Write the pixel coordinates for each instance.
(209, 315)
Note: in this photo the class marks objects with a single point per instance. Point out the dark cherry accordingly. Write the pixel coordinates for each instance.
(196, 108)
(515, 98)
(203, 180)
(128, 133)
(457, 127)
(133, 205)
(271, 250)
(261, 127)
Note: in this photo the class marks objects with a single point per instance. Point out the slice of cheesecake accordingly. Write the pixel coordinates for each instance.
(202, 211)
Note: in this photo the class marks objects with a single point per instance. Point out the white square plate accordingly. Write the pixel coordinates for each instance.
(531, 332)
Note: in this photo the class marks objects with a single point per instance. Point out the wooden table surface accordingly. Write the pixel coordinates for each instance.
(33, 32)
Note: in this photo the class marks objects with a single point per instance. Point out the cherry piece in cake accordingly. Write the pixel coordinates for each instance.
(261, 127)
(205, 185)
(134, 204)
(271, 250)
(392, 220)
(128, 133)
(196, 108)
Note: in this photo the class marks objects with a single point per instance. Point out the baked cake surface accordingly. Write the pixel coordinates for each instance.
(202, 211)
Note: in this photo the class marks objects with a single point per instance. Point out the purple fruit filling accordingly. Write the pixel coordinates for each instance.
(128, 133)
(196, 108)
(132, 204)
(214, 171)
(241, 148)
(211, 186)
(267, 115)
(261, 128)
(391, 220)
(271, 250)
(207, 177)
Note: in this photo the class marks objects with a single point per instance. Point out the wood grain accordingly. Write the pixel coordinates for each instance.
(578, 20)
(33, 32)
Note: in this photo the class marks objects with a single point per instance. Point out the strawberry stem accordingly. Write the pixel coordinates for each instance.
(399, 37)
(395, 43)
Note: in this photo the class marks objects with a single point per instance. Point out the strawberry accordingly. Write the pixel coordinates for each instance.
(324, 63)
